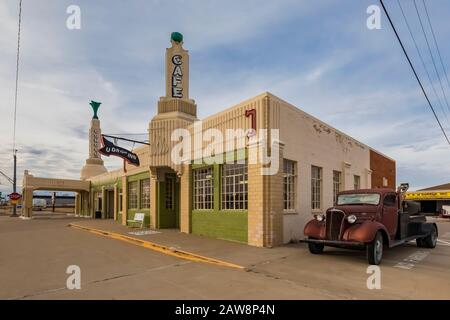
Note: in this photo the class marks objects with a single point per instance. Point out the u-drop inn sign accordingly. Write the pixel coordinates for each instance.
(177, 64)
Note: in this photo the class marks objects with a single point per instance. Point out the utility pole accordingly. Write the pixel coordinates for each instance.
(13, 182)
(14, 214)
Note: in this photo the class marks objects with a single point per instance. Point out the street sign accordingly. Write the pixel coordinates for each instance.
(13, 202)
(14, 196)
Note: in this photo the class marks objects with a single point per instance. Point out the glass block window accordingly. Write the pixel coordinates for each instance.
(337, 184)
(234, 187)
(169, 193)
(356, 182)
(316, 187)
(145, 194)
(120, 199)
(132, 195)
(203, 181)
(289, 185)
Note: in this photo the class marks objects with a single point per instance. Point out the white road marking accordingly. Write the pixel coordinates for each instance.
(411, 261)
(443, 243)
(143, 232)
(446, 235)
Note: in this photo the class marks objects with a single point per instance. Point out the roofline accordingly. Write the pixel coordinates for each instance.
(324, 123)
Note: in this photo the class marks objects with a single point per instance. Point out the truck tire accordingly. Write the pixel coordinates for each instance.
(374, 249)
(315, 248)
(430, 240)
(419, 242)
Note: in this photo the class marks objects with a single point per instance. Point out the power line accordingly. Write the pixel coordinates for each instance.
(414, 71)
(435, 42)
(17, 77)
(431, 54)
(128, 134)
(125, 139)
(423, 62)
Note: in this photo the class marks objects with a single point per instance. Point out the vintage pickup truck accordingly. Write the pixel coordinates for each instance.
(370, 219)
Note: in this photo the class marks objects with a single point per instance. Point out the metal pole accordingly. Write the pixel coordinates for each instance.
(14, 214)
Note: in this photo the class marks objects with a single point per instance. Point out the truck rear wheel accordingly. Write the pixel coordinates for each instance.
(419, 242)
(374, 249)
(315, 248)
(430, 240)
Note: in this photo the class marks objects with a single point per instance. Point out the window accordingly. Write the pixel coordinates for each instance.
(358, 198)
(316, 187)
(234, 187)
(385, 182)
(99, 201)
(289, 184)
(356, 182)
(145, 193)
(336, 184)
(169, 193)
(203, 188)
(132, 195)
(390, 200)
(120, 199)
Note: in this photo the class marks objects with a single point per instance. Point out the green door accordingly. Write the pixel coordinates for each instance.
(168, 202)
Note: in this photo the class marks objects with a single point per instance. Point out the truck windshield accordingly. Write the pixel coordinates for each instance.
(359, 198)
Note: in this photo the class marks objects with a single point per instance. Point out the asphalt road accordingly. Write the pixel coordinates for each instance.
(34, 256)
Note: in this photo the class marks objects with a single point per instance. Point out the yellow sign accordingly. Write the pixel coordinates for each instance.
(427, 195)
(13, 202)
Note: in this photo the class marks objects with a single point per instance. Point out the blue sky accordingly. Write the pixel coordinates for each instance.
(317, 55)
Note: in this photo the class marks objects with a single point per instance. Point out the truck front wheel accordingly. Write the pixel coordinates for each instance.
(374, 249)
(315, 248)
(430, 240)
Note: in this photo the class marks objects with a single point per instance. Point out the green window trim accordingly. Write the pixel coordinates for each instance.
(133, 195)
(137, 178)
(217, 175)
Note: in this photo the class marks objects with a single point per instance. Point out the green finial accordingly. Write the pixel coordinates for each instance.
(95, 105)
(177, 37)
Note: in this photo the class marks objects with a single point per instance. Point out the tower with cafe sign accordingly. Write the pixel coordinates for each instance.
(175, 109)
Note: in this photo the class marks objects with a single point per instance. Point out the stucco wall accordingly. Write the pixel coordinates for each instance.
(309, 141)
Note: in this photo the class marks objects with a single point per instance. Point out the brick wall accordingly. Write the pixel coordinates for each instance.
(383, 170)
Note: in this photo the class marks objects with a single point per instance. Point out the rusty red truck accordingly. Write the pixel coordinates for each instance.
(370, 219)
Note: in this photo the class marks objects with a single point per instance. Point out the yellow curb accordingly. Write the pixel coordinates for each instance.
(158, 247)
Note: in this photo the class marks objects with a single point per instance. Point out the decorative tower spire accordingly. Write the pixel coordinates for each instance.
(94, 164)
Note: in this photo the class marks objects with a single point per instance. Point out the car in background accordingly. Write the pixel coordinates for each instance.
(445, 212)
(39, 204)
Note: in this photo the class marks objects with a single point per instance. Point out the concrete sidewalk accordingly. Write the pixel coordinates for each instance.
(233, 252)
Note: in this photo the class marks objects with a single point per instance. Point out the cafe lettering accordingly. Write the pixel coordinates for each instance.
(177, 77)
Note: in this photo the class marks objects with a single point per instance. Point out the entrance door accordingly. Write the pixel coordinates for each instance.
(168, 206)
(110, 205)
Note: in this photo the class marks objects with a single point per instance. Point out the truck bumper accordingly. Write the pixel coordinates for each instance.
(337, 243)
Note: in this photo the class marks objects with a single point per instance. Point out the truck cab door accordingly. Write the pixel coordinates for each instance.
(390, 213)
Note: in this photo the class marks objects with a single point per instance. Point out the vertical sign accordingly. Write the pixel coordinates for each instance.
(177, 77)
(252, 114)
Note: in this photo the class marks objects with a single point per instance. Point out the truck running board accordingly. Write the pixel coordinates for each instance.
(395, 243)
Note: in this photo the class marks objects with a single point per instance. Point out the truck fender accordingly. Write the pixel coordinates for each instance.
(365, 232)
(314, 229)
(427, 227)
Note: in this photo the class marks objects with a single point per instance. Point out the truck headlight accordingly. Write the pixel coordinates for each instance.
(351, 218)
(320, 217)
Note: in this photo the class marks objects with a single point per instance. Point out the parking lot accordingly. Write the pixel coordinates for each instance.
(35, 254)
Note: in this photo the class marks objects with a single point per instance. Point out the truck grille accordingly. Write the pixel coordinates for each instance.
(333, 224)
